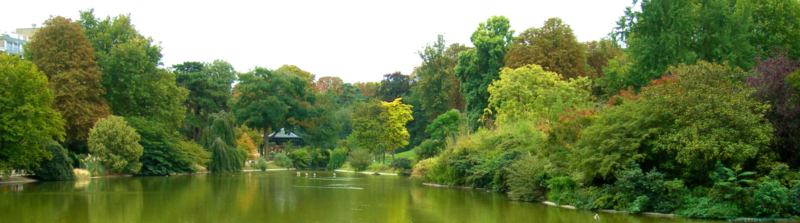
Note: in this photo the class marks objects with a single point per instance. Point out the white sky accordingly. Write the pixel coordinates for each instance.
(355, 40)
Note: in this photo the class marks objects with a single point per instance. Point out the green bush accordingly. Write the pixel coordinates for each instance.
(337, 158)
(261, 164)
(771, 199)
(162, 155)
(197, 154)
(360, 159)
(58, 167)
(116, 144)
(300, 158)
(706, 207)
(282, 160)
(402, 165)
(319, 158)
(527, 179)
(561, 188)
(428, 148)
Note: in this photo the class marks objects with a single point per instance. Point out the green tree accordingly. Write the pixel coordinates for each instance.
(478, 67)
(271, 100)
(437, 86)
(553, 46)
(685, 140)
(397, 116)
(116, 145)
(292, 69)
(59, 167)
(62, 52)
(27, 120)
(134, 84)
(671, 32)
(368, 126)
(209, 86)
(394, 85)
(532, 94)
(224, 158)
(162, 154)
(776, 26)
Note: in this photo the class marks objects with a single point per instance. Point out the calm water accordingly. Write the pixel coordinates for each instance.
(273, 197)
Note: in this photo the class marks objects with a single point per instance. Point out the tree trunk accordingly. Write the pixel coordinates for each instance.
(265, 146)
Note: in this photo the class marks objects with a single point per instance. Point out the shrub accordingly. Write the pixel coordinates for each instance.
(282, 160)
(197, 154)
(58, 167)
(771, 199)
(527, 179)
(561, 188)
(162, 155)
(422, 167)
(300, 158)
(360, 159)
(402, 165)
(705, 207)
(224, 158)
(261, 164)
(337, 158)
(116, 145)
(319, 158)
(428, 148)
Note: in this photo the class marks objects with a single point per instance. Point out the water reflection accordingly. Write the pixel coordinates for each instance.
(274, 197)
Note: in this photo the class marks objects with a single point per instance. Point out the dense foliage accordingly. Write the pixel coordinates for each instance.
(28, 121)
(62, 52)
(553, 46)
(58, 167)
(478, 67)
(116, 145)
(688, 107)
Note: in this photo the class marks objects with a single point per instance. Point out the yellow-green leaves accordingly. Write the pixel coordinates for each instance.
(532, 94)
(398, 115)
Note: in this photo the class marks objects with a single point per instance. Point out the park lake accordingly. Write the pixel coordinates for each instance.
(276, 196)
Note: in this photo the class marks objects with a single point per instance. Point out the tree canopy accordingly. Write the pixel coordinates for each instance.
(62, 52)
(28, 122)
(478, 67)
(553, 46)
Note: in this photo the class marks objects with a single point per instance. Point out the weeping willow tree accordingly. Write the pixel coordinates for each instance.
(221, 141)
(224, 158)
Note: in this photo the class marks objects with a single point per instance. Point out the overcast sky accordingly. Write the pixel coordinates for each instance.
(355, 40)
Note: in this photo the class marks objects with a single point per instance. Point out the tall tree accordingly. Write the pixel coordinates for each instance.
(292, 69)
(134, 84)
(776, 26)
(671, 32)
(28, 123)
(209, 86)
(553, 46)
(270, 100)
(397, 116)
(437, 85)
(394, 85)
(478, 67)
(62, 51)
